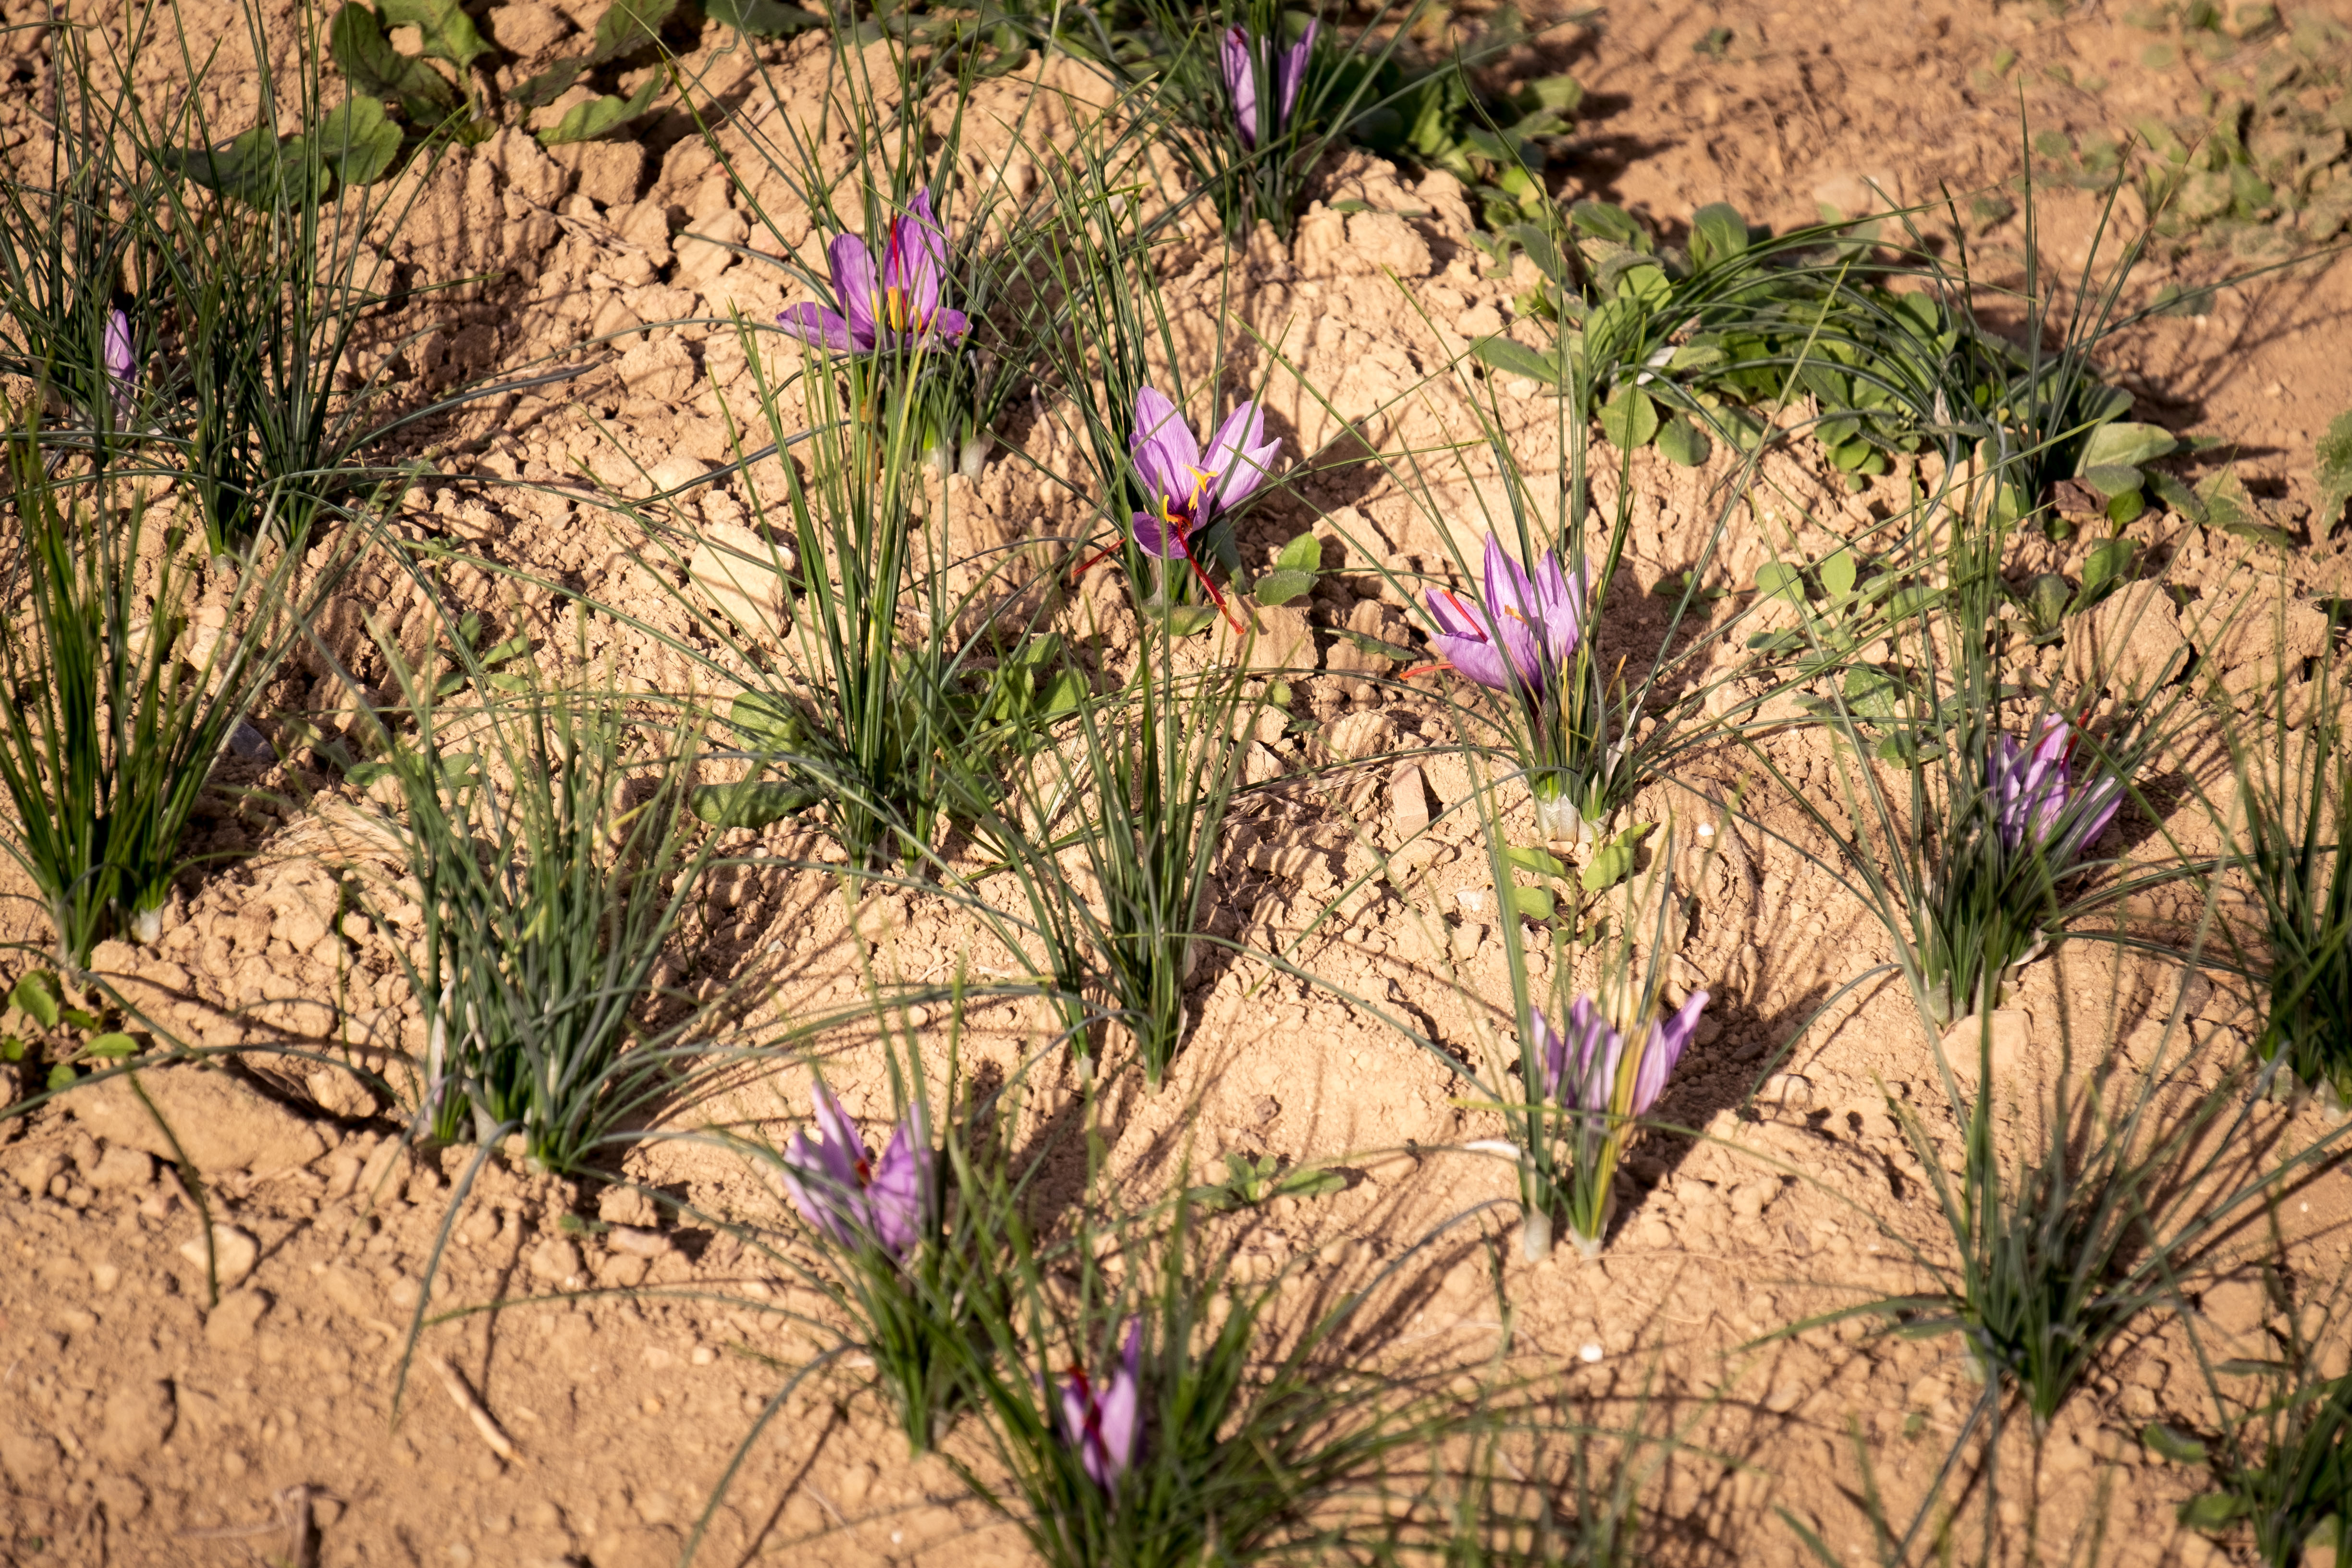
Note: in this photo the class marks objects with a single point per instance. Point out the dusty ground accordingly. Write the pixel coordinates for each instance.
(139, 1422)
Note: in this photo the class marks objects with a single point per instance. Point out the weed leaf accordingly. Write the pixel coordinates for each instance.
(602, 116)
(450, 33)
(628, 26)
(376, 70)
(2333, 476)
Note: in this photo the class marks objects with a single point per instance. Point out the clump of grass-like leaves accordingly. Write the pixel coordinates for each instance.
(115, 710)
(552, 863)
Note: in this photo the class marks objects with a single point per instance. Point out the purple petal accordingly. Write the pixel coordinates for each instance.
(1551, 1050)
(1511, 604)
(1473, 659)
(122, 363)
(1155, 537)
(1454, 618)
(1167, 475)
(1559, 607)
(816, 1189)
(1122, 1418)
(948, 324)
(1668, 1039)
(814, 324)
(1241, 79)
(1294, 71)
(1160, 423)
(1238, 454)
(1073, 1424)
(1596, 1049)
(916, 257)
(855, 285)
(898, 1192)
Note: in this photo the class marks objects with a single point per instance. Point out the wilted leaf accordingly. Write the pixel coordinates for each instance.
(602, 116)
(374, 68)
(2333, 476)
(1514, 358)
(1614, 861)
(754, 803)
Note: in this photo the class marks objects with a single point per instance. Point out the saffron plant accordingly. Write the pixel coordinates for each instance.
(1248, 60)
(2013, 843)
(1526, 641)
(898, 1264)
(1186, 491)
(121, 366)
(888, 308)
(1102, 1417)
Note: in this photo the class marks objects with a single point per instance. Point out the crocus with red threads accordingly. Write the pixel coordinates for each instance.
(893, 306)
(1522, 636)
(843, 1190)
(1102, 1417)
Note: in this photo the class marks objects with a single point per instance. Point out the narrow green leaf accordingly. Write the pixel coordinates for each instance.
(2213, 1510)
(2332, 476)
(1717, 234)
(2169, 1443)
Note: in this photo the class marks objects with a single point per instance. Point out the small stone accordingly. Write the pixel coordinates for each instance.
(230, 1326)
(1407, 802)
(1362, 734)
(556, 1261)
(233, 1255)
(1793, 1090)
(1267, 1109)
(2012, 1040)
(1278, 637)
(122, 1169)
(636, 1243)
(1466, 938)
(702, 1355)
(104, 1277)
(627, 1205)
(138, 1415)
(1750, 1199)
(1590, 1353)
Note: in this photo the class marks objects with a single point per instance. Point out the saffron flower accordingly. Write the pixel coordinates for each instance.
(1518, 639)
(882, 308)
(1187, 489)
(1102, 1420)
(122, 364)
(1580, 1065)
(2034, 793)
(1239, 57)
(841, 1190)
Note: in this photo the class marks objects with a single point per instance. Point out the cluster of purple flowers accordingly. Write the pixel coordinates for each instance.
(1518, 640)
(842, 1190)
(2035, 798)
(1580, 1065)
(1236, 57)
(884, 309)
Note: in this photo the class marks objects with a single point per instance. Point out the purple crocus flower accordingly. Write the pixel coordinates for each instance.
(2033, 792)
(840, 1189)
(1102, 1421)
(1239, 58)
(895, 306)
(1582, 1061)
(122, 364)
(1188, 489)
(1524, 632)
